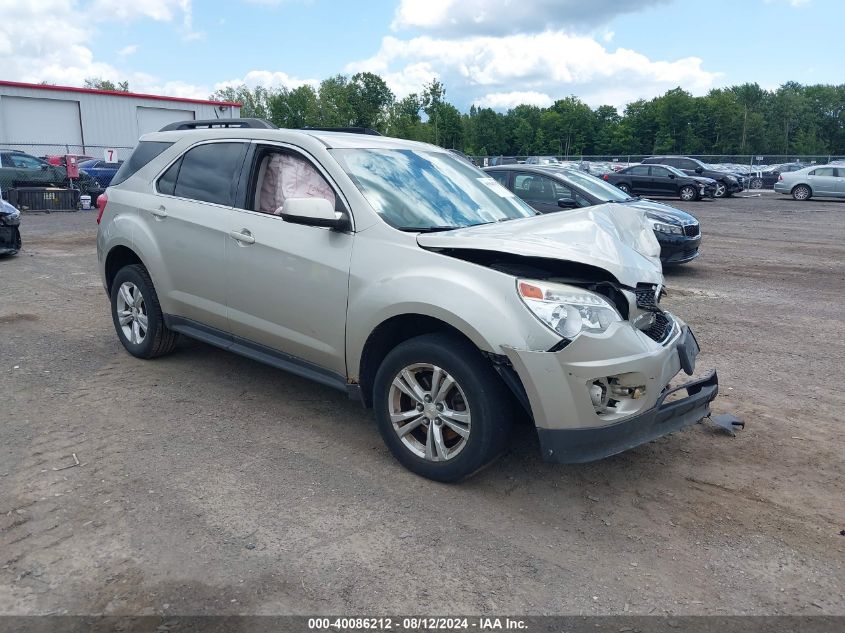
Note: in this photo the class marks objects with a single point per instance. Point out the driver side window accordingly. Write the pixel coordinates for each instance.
(285, 175)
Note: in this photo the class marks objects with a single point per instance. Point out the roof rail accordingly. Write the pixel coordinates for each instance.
(255, 124)
(350, 130)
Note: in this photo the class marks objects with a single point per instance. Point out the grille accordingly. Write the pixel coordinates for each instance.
(662, 326)
(645, 299)
(692, 230)
(660, 329)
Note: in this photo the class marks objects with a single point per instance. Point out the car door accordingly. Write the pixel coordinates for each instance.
(640, 176)
(31, 171)
(288, 283)
(840, 182)
(189, 221)
(537, 190)
(663, 182)
(823, 181)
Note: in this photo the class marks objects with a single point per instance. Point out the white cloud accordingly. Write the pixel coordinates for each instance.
(793, 3)
(499, 17)
(551, 63)
(47, 41)
(268, 79)
(507, 100)
(130, 49)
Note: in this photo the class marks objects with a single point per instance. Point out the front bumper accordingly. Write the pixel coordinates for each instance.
(10, 235)
(557, 385)
(677, 249)
(573, 446)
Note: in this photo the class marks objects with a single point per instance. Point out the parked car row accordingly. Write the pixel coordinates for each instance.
(553, 189)
(19, 169)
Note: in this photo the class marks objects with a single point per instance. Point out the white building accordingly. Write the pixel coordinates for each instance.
(43, 119)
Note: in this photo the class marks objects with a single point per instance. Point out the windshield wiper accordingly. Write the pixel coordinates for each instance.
(428, 229)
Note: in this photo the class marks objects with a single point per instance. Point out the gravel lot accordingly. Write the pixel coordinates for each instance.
(212, 484)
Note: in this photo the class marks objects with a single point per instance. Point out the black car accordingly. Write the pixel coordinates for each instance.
(550, 189)
(727, 183)
(766, 179)
(10, 235)
(661, 180)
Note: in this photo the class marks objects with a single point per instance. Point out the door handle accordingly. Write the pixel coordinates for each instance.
(160, 212)
(243, 236)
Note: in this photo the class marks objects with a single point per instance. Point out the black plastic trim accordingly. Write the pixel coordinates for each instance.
(255, 351)
(575, 446)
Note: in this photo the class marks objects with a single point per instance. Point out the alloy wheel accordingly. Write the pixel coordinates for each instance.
(429, 412)
(132, 313)
(801, 193)
(721, 190)
(756, 183)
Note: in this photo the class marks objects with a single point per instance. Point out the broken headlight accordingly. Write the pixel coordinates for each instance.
(566, 310)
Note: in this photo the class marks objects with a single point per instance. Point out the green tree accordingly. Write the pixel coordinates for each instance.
(99, 83)
(254, 101)
(369, 101)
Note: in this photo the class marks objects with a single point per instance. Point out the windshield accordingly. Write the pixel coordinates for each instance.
(428, 190)
(595, 186)
(675, 170)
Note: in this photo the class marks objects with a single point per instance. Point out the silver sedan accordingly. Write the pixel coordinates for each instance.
(819, 181)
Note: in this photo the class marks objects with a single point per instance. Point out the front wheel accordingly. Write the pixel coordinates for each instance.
(688, 193)
(721, 190)
(801, 193)
(441, 409)
(137, 314)
(756, 183)
(625, 188)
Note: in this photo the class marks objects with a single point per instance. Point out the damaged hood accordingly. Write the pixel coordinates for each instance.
(621, 243)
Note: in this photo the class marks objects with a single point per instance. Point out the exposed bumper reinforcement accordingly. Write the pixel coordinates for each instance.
(572, 446)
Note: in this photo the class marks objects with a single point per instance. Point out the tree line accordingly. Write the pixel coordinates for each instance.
(745, 119)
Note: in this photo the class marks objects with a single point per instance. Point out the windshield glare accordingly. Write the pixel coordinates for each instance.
(595, 186)
(414, 189)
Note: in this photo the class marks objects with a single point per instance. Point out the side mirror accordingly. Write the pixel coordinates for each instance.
(699, 170)
(671, 175)
(44, 167)
(312, 212)
(566, 203)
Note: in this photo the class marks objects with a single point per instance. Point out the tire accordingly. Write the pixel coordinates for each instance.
(624, 188)
(133, 297)
(721, 190)
(756, 183)
(802, 192)
(430, 445)
(688, 193)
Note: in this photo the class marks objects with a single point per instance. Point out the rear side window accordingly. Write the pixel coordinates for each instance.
(167, 182)
(143, 154)
(209, 173)
(638, 170)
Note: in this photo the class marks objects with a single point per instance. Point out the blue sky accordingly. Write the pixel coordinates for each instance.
(489, 52)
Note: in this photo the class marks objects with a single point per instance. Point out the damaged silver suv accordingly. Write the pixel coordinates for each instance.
(404, 276)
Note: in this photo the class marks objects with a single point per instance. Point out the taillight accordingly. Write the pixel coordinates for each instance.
(102, 199)
(605, 176)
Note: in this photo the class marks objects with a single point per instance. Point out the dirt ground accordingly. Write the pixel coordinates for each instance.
(210, 484)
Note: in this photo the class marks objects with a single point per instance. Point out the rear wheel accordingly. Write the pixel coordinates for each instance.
(624, 188)
(441, 409)
(137, 315)
(688, 193)
(801, 192)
